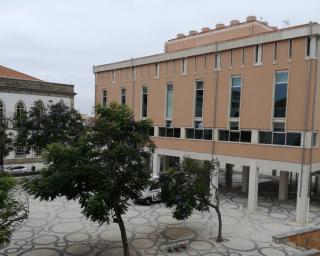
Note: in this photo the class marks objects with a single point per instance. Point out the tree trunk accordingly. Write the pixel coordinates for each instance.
(1, 163)
(123, 235)
(219, 238)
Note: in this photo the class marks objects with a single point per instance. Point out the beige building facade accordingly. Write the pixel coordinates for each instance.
(245, 94)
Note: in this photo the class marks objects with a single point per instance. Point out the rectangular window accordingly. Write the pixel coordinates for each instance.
(290, 49)
(242, 57)
(169, 101)
(20, 151)
(235, 136)
(308, 46)
(278, 126)
(265, 137)
(113, 76)
(280, 94)
(104, 97)
(293, 139)
(234, 125)
(144, 101)
(275, 51)
(258, 54)
(231, 58)
(184, 66)
(198, 99)
(169, 132)
(151, 131)
(123, 96)
(157, 69)
(205, 62)
(236, 84)
(198, 124)
(199, 134)
(314, 139)
(37, 151)
(195, 64)
(217, 61)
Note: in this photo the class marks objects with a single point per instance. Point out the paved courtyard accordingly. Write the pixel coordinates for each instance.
(58, 228)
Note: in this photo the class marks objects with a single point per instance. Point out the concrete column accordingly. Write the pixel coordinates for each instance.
(156, 163)
(302, 207)
(245, 179)
(214, 183)
(283, 185)
(229, 172)
(253, 186)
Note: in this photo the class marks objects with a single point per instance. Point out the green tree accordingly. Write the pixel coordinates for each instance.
(6, 143)
(11, 210)
(42, 126)
(188, 187)
(104, 169)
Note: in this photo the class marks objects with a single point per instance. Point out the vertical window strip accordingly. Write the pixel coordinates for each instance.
(242, 58)
(169, 102)
(308, 46)
(123, 96)
(231, 58)
(275, 51)
(290, 44)
(104, 97)
(198, 99)
(144, 101)
(217, 60)
(236, 84)
(280, 94)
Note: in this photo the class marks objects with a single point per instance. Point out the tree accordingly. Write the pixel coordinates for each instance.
(11, 210)
(188, 187)
(6, 144)
(104, 169)
(42, 126)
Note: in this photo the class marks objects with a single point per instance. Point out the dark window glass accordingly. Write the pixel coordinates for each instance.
(177, 132)
(199, 99)
(207, 134)
(198, 134)
(245, 136)
(123, 96)
(198, 124)
(162, 131)
(151, 131)
(279, 138)
(294, 139)
(190, 133)
(144, 101)
(314, 139)
(234, 136)
(290, 49)
(278, 127)
(280, 96)
(265, 137)
(308, 46)
(104, 98)
(224, 135)
(169, 132)
(235, 96)
(234, 125)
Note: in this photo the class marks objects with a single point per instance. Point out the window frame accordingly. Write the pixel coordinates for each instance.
(143, 93)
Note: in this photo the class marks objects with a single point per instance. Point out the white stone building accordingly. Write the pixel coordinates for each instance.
(18, 92)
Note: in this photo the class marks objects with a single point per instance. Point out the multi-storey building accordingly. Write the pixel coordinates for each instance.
(245, 94)
(18, 92)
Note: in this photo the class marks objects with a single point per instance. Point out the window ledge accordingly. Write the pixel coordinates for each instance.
(184, 74)
(258, 64)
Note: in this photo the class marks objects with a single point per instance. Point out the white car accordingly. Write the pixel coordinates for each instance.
(152, 193)
(18, 169)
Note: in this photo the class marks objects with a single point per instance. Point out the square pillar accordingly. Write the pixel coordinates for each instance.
(283, 186)
(228, 178)
(302, 207)
(156, 164)
(245, 179)
(253, 186)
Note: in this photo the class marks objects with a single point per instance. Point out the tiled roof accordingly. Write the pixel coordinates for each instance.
(10, 73)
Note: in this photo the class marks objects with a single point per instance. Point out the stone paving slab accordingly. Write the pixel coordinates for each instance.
(58, 228)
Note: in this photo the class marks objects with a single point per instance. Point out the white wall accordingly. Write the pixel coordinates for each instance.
(10, 100)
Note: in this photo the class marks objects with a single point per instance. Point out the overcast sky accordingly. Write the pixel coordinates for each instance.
(60, 40)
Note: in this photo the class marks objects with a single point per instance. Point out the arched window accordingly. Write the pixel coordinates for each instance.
(2, 113)
(20, 113)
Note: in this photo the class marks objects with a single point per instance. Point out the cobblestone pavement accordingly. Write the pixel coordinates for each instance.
(58, 228)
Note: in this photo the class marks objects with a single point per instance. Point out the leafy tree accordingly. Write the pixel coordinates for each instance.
(6, 144)
(104, 169)
(188, 187)
(11, 210)
(56, 123)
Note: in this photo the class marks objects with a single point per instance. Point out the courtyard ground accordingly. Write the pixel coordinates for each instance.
(58, 228)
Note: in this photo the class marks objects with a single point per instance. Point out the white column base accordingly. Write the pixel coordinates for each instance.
(253, 187)
(283, 186)
(303, 199)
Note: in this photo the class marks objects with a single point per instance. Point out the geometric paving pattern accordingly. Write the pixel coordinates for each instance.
(58, 228)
